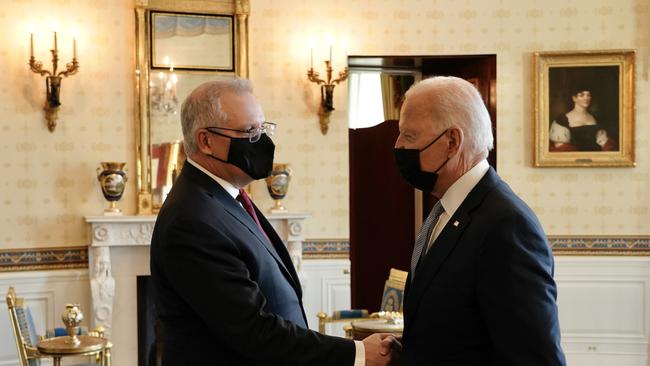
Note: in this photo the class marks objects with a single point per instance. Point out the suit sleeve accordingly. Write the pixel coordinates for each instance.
(206, 269)
(517, 293)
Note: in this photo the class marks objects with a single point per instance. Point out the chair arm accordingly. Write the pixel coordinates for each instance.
(97, 332)
(340, 316)
(32, 352)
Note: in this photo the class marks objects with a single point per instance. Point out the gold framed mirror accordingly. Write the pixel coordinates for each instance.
(179, 45)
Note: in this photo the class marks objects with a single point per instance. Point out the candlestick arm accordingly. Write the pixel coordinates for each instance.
(343, 75)
(37, 67)
(71, 68)
(313, 77)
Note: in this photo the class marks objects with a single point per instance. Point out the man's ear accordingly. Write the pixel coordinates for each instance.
(455, 138)
(202, 141)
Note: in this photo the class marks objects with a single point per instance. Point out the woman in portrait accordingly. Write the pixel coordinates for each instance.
(578, 129)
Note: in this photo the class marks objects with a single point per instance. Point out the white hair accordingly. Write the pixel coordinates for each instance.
(202, 108)
(455, 102)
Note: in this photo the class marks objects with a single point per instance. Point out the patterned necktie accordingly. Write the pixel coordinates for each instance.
(424, 234)
(248, 206)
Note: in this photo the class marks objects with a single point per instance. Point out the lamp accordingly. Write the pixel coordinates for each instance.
(163, 91)
(326, 89)
(53, 79)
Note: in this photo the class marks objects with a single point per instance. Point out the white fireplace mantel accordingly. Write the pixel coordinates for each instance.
(119, 233)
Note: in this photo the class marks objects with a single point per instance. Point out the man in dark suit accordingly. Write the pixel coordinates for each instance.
(226, 292)
(481, 289)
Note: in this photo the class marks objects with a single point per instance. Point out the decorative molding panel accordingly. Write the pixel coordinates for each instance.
(326, 248)
(41, 259)
(599, 245)
(137, 230)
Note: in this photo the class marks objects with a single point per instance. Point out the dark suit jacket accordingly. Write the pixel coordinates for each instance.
(484, 293)
(223, 293)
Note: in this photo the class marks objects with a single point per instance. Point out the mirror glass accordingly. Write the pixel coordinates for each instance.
(167, 154)
(192, 41)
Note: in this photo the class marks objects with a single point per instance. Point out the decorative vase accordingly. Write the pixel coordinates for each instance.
(72, 317)
(278, 185)
(112, 178)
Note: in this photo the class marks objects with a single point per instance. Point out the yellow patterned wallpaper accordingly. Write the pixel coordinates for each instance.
(574, 201)
(48, 182)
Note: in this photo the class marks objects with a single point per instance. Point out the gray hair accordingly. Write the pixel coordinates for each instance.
(456, 102)
(202, 108)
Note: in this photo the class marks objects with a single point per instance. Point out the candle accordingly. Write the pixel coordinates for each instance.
(74, 48)
(330, 53)
(311, 57)
(55, 47)
(31, 44)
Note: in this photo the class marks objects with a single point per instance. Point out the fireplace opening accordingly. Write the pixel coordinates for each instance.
(149, 347)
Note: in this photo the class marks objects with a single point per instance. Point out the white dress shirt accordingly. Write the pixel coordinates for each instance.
(229, 187)
(360, 351)
(455, 195)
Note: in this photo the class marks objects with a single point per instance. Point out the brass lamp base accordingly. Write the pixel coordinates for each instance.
(72, 337)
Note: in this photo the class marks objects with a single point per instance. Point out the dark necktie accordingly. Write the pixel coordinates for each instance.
(248, 206)
(424, 235)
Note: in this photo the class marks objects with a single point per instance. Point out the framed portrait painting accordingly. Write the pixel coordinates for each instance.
(584, 108)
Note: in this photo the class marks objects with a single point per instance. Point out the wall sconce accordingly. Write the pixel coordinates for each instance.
(53, 79)
(326, 90)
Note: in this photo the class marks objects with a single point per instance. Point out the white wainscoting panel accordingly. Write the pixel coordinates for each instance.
(604, 304)
(327, 288)
(46, 293)
(603, 308)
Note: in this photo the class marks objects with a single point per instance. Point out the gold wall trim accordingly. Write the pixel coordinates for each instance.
(326, 248)
(53, 258)
(43, 259)
(600, 245)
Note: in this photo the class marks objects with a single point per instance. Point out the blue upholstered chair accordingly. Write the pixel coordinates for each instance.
(391, 304)
(25, 331)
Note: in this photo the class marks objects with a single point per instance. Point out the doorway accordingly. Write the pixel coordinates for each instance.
(385, 212)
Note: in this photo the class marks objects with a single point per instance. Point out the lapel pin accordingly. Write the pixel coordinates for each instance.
(456, 223)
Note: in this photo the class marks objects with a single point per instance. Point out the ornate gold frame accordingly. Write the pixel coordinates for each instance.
(542, 62)
(239, 8)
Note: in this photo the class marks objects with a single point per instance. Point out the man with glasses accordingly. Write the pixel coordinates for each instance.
(226, 291)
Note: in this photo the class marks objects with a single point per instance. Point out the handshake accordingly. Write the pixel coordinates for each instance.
(382, 349)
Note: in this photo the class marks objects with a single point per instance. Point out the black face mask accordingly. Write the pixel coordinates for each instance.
(408, 162)
(254, 158)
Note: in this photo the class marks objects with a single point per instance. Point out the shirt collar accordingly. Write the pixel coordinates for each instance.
(458, 191)
(231, 189)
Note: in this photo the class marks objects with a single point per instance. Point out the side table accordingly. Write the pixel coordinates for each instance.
(60, 347)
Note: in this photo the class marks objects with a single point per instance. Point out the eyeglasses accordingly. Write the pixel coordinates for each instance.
(254, 133)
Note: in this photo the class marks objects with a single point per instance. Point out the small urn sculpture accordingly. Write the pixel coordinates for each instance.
(112, 178)
(72, 317)
(278, 185)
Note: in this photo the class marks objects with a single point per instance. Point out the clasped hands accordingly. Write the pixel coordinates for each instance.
(382, 349)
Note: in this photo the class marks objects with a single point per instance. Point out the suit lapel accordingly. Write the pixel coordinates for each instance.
(234, 209)
(444, 245)
(280, 249)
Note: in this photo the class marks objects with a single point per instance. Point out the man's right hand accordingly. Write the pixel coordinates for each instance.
(381, 349)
